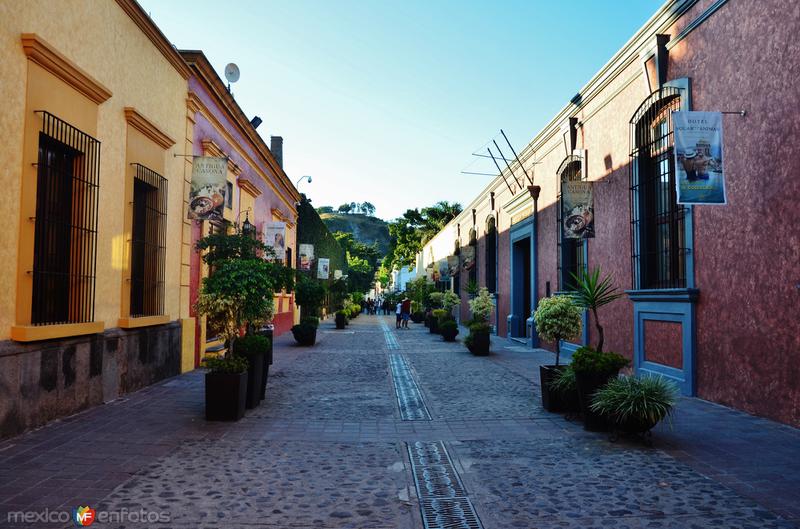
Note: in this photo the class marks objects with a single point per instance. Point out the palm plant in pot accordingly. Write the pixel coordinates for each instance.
(481, 307)
(594, 367)
(557, 318)
(634, 405)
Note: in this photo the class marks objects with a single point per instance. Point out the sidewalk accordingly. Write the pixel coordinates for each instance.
(328, 449)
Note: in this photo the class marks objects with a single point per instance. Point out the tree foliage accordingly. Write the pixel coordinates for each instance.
(415, 228)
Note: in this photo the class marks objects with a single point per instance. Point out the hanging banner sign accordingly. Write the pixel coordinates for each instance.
(209, 188)
(468, 257)
(699, 177)
(444, 270)
(452, 264)
(337, 274)
(323, 268)
(275, 237)
(577, 210)
(306, 252)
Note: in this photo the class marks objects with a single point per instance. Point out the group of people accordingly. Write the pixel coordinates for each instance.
(402, 309)
(403, 313)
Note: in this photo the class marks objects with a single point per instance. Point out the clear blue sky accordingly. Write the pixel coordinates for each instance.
(385, 101)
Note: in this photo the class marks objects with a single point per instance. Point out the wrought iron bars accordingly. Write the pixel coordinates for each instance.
(148, 242)
(65, 240)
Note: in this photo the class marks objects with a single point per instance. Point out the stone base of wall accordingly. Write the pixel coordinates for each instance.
(42, 381)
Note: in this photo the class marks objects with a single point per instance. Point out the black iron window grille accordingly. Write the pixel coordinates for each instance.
(65, 240)
(148, 242)
(571, 253)
(473, 272)
(658, 237)
(491, 255)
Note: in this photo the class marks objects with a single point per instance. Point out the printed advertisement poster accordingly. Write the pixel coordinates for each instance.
(577, 210)
(468, 257)
(699, 177)
(209, 188)
(275, 236)
(444, 270)
(306, 253)
(323, 268)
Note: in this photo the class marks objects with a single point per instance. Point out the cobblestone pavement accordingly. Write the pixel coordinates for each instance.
(328, 449)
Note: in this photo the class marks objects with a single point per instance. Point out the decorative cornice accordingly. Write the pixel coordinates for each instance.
(146, 127)
(42, 53)
(209, 78)
(210, 148)
(248, 186)
(151, 31)
(280, 215)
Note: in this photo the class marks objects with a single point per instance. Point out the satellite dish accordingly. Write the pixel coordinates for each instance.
(232, 72)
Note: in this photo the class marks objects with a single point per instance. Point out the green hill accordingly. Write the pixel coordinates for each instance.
(364, 228)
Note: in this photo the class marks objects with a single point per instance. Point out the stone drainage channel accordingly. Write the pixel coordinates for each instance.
(443, 500)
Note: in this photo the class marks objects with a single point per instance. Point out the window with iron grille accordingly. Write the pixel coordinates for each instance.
(148, 242)
(658, 237)
(473, 272)
(571, 253)
(228, 195)
(65, 240)
(491, 255)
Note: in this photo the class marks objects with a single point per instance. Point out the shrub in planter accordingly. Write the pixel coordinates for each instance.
(226, 388)
(635, 405)
(477, 341)
(564, 390)
(593, 370)
(435, 315)
(449, 330)
(305, 333)
(418, 316)
(341, 319)
(557, 318)
(266, 332)
(253, 348)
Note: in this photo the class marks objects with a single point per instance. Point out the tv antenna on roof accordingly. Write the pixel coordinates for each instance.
(231, 74)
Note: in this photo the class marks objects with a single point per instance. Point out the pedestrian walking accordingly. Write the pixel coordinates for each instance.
(399, 314)
(406, 311)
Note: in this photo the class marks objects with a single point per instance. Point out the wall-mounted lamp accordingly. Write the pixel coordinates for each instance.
(306, 177)
(255, 122)
(248, 229)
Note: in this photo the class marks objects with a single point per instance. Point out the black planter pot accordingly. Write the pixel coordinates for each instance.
(427, 321)
(552, 400)
(255, 377)
(480, 343)
(588, 384)
(305, 335)
(341, 321)
(226, 396)
(434, 326)
(449, 335)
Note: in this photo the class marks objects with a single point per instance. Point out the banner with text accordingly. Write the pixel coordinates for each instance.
(209, 188)
(577, 210)
(306, 253)
(699, 177)
(323, 268)
(275, 237)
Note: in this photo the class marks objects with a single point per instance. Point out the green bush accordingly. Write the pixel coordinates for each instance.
(589, 360)
(557, 318)
(482, 305)
(309, 294)
(310, 320)
(564, 380)
(251, 345)
(449, 330)
(229, 365)
(644, 400)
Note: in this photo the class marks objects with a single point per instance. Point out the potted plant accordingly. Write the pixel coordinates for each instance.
(565, 390)
(481, 306)
(635, 405)
(305, 333)
(226, 388)
(557, 318)
(437, 314)
(341, 319)
(594, 367)
(253, 348)
(593, 370)
(449, 330)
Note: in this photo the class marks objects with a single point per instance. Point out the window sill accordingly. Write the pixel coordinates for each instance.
(33, 333)
(666, 294)
(142, 321)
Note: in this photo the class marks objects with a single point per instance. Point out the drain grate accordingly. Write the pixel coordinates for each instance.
(409, 397)
(443, 501)
(449, 513)
(433, 471)
(391, 339)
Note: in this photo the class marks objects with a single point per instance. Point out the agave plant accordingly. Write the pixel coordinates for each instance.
(591, 292)
(630, 400)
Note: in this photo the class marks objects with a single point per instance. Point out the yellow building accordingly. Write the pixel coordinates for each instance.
(95, 251)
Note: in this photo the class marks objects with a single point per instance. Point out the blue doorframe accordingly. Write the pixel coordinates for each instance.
(519, 314)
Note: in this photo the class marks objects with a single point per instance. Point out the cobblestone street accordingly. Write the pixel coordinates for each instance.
(329, 449)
